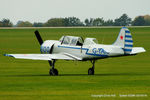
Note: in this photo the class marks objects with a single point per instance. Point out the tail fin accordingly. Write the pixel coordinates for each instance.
(124, 40)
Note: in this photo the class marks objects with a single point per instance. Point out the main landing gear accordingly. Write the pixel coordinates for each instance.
(91, 70)
(53, 71)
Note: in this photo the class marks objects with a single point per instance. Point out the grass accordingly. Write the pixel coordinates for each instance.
(29, 79)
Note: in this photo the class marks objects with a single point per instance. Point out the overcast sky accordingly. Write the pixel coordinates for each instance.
(42, 10)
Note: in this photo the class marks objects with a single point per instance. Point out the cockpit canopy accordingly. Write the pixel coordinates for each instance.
(71, 40)
(77, 41)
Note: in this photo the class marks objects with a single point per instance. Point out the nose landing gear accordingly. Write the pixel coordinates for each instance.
(53, 71)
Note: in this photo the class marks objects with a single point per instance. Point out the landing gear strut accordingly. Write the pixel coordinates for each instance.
(91, 70)
(53, 71)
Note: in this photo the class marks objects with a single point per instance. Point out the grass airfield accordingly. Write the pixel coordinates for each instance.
(29, 79)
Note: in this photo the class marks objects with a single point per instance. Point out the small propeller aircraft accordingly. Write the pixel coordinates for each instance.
(75, 48)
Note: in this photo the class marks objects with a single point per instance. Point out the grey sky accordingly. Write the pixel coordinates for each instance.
(42, 10)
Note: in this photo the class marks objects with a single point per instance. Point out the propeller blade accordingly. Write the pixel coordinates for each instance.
(37, 34)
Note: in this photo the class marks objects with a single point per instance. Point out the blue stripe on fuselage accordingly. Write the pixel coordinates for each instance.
(84, 49)
(72, 47)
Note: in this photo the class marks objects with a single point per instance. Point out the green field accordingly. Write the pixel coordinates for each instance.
(30, 80)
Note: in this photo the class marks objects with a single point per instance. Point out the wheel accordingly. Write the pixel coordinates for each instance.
(56, 71)
(91, 71)
(53, 72)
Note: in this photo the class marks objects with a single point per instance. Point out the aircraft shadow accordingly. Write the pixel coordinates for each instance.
(107, 74)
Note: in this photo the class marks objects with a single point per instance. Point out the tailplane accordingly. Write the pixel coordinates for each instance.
(124, 40)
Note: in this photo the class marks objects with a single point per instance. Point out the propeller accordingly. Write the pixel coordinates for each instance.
(37, 34)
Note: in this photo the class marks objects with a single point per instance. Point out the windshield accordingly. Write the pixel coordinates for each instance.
(71, 40)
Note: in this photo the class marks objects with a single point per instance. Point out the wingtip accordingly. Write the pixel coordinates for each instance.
(7, 55)
(4, 54)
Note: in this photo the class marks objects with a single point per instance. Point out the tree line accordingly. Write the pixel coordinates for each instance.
(123, 20)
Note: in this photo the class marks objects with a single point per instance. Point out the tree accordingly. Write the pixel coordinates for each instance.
(24, 24)
(138, 21)
(94, 22)
(91, 21)
(109, 23)
(87, 22)
(73, 21)
(1, 24)
(37, 24)
(124, 20)
(98, 22)
(55, 22)
(5, 23)
(147, 20)
(18, 23)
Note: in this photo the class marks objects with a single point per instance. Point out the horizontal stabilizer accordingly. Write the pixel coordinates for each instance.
(136, 50)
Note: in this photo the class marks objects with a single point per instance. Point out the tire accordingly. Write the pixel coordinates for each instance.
(53, 72)
(91, 71)
(56, 72)
(50, 72)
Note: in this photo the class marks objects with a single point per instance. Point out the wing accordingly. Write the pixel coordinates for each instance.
(136, 50)
(43, 56)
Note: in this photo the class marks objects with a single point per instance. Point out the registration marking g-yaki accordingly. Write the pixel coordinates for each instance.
(97, 52)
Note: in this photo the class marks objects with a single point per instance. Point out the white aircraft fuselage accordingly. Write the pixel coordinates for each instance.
(84, 52)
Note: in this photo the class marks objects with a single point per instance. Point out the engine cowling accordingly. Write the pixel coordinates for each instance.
(47, 46)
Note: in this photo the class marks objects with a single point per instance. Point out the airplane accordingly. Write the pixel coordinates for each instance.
(75, 48)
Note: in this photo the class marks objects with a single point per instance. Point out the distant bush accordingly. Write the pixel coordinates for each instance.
(5, 23)
(141, 21)
(24, 24)
(123, 20)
